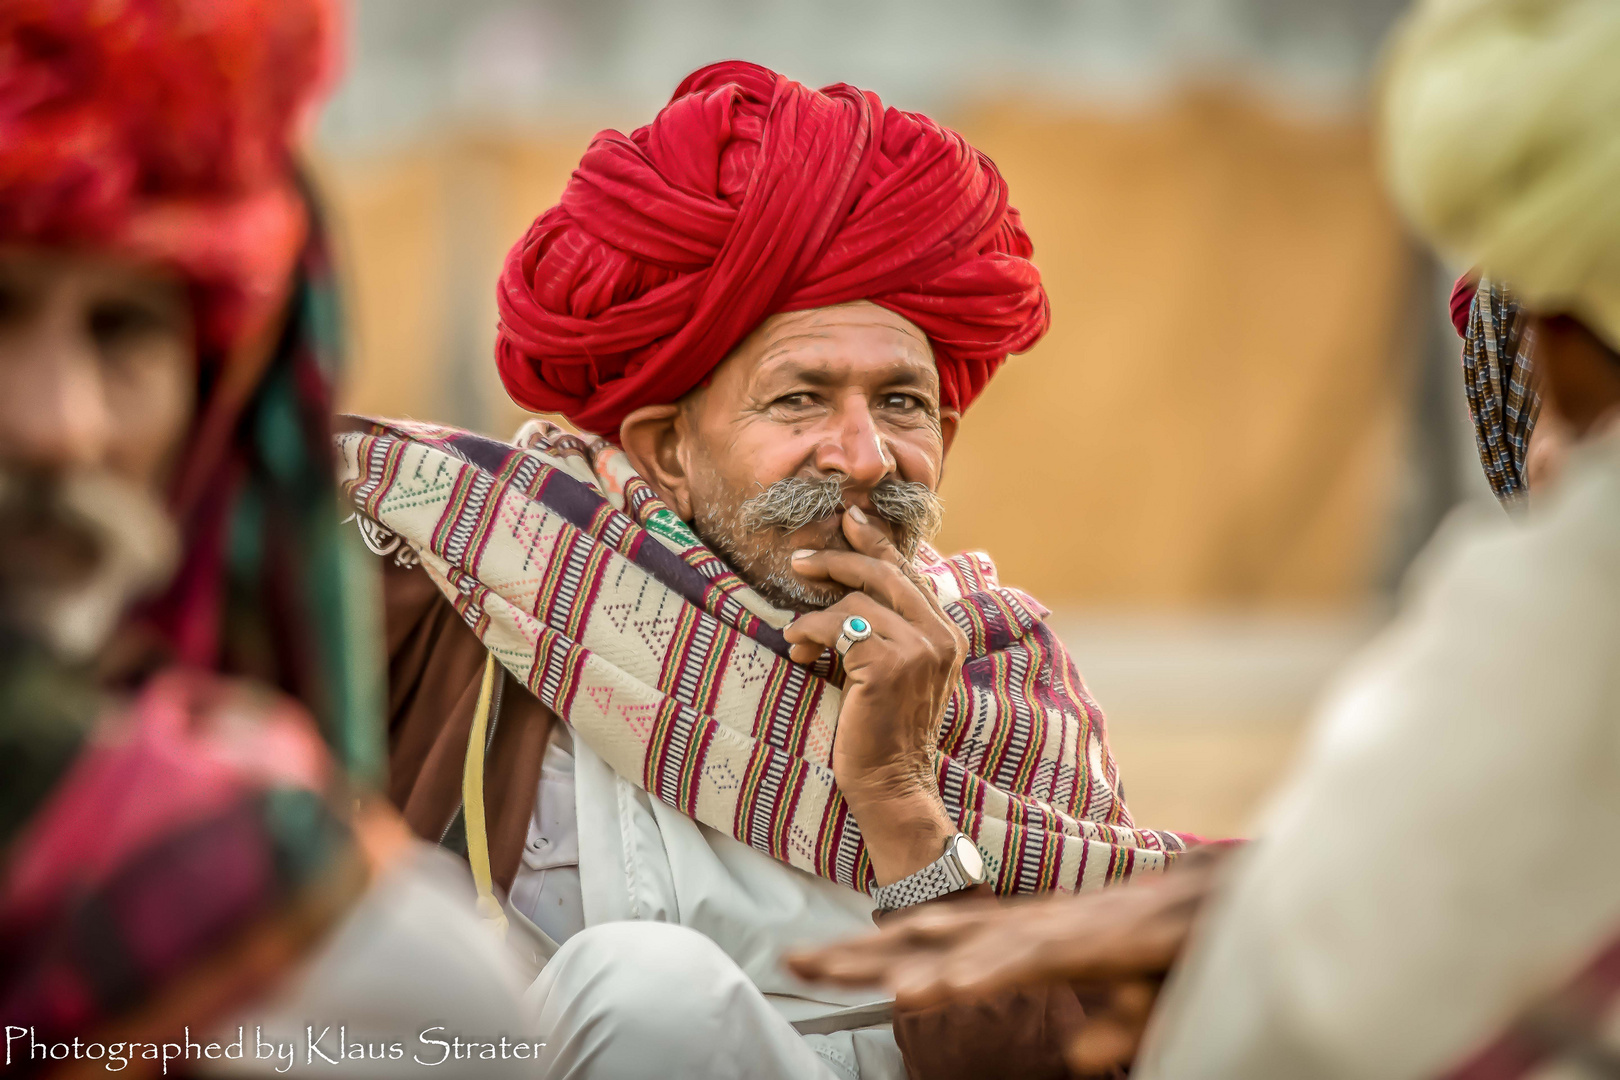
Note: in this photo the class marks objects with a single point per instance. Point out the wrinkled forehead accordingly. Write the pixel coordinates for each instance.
(844, 344)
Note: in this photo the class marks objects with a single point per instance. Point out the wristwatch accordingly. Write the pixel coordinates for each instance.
(960, 867)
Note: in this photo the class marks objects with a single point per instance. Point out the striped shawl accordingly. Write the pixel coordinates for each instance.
(606, 606)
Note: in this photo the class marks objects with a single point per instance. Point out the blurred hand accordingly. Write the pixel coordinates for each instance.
(1114, 945)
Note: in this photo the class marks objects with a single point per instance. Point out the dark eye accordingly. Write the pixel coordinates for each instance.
(118, 322)
(12, 302)
(901, 402)
(795, 401)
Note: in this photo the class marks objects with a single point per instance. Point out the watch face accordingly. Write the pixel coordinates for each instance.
(968, 857)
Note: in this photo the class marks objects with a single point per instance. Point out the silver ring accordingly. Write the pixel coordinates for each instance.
(855, 630)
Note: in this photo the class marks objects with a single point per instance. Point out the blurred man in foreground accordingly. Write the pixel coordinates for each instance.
(1437, 889)
(769, 307)
(189, 731)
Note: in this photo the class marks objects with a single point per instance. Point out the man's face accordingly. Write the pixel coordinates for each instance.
(816, 411)
(97, 386)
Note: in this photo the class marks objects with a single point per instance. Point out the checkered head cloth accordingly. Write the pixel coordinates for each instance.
(1499, 379)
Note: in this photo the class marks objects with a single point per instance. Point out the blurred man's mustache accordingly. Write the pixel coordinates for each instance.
(915, 510)
(74, 551)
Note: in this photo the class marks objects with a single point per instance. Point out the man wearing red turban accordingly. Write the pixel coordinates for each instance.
(752, 195)
(186, 720)
(768, 310)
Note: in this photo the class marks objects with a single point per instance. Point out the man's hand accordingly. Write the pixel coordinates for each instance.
(894, 695)
(1114, 945)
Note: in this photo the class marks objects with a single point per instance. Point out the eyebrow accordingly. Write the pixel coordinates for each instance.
(894, 373)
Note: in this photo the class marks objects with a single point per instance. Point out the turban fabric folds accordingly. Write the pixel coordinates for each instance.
(748, 195)
(1502, 145)
(160, 129)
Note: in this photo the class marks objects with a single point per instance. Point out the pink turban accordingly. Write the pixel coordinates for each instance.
(748, 195)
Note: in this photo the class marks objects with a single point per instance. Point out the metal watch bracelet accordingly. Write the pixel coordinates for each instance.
(959, 867)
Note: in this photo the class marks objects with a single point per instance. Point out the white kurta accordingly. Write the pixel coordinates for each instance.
(606, 869)
(1449, 848)
(643, 860)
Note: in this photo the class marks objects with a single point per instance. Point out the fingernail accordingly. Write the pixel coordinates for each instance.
(803, 553)
(859, 516)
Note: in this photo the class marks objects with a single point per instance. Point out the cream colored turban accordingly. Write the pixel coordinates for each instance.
(1501, 126)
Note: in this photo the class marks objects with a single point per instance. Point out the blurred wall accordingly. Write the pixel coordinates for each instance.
(1214, 416)
(423, 232)
(1217, 406)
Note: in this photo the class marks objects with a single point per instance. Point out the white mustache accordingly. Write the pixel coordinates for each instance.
(793, 502)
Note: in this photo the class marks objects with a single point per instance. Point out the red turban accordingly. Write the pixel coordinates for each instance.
(1462, 301)
(162, 129)
(748, 195)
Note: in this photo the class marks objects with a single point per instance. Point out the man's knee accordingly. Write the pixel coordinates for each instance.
(663, 982)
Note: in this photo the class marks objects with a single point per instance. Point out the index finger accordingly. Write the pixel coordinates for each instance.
(865, 537)
(882, 581)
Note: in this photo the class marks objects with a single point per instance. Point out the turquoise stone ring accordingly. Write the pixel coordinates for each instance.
(855, 629)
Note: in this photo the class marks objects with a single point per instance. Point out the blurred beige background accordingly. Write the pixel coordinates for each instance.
(1214, 466)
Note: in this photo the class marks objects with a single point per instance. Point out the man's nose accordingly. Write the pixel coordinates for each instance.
(857, 449)
(53, 408)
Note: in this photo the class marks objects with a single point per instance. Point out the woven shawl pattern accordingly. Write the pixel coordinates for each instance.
(672, 669)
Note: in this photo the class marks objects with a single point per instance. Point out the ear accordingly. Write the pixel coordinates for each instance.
(948, 421)
(651, 437)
